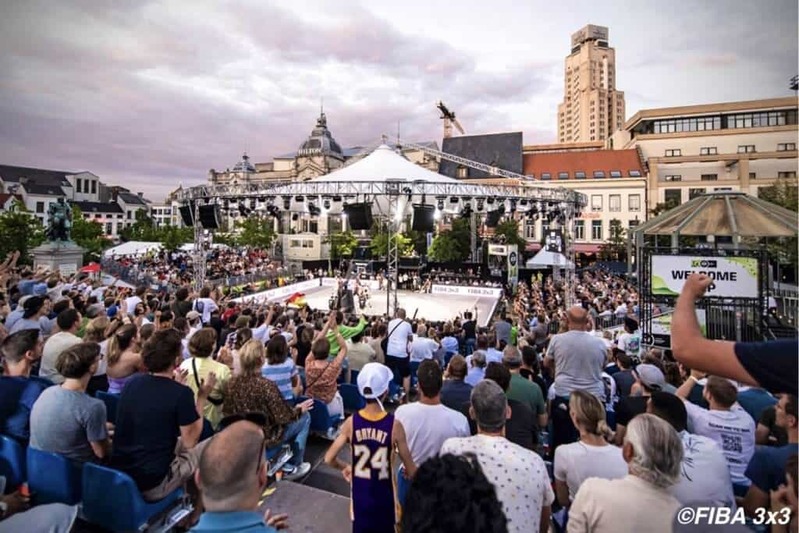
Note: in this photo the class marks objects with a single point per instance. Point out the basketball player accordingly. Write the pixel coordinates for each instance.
(373, 434)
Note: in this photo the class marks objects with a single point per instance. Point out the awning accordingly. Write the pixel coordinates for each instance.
(582, 248)
(91, 268)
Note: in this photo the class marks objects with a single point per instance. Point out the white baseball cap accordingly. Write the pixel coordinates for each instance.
(376, 377)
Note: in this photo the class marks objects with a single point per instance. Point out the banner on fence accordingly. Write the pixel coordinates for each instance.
(513, 265)
(659, 334)
(733, 277)
(279, 292)
(466, 291)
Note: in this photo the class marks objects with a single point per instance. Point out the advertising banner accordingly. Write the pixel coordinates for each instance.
(513, 265)
(733, 277)
(280, 292)
(553, 241)
(466, 291)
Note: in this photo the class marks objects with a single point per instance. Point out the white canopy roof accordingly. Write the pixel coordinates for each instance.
(384, 164)
(545, 259)
(132, 248)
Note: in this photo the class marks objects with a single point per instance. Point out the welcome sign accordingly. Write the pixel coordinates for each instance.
(733, 277)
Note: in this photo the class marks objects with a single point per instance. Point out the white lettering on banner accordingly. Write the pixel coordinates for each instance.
(67, 269)
(466, 291)
(733, 277)
(279, 292)
(373, 284)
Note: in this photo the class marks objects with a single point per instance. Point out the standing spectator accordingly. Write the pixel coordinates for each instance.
(755, 400)
(68, 322)
(281, 369)
(18, 389)
(205, 305)
(630, 341)
(624, 377)
(67, 421)
(519, 475)
(321, 373)
(34, 316)
(156, 439)
(428, 423)
(346, 332)
(449, 342)
(199, 366)
(469, 329)
(577, 358)
(422, 347)
(648, 379)
(397, 349)
(522, 390)
(531, 368)
(502, 330)
(124, 359)
(96, 332)
(477, 368)
(591, 456)
(522, 427)
(455, 392)
(379, 333)
(181, 306)
(704, 476)
(640, 501)
(283, 423)
(540, 332)
(726, 423)
(131, 302)
(359, 353)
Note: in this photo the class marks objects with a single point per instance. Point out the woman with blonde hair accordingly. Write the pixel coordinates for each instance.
(199, 366)
(97, 331)
(592, 455)
(124, 357)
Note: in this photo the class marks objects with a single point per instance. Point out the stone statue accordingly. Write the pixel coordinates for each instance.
(59, 221)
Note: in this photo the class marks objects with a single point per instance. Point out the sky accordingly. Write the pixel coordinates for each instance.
(151, 94)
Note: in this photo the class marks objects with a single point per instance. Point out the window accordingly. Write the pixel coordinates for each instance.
(760, 120)
(40, 207)
(596, 230)
(119, 216)
(673, 177)
(633, 223)
(614, 202)
(596, 202)
(580, 175)
(78, 183)
(109, 229)
(709, 177)
(789, 175)
(785, 147)
(615, 173)
(579, 230)
(563, 175)
(529, 231)
(97, 215)
(599, 173)
(634, 201)
(635, 173)
(752, 175)
(94, 187)
(546, 176)
(746, 148)
(673, 196)
(463, 172)
(674, 152)
(693, 193)
(130, 215)
(708, 150)
(686, 124)
(722, 189)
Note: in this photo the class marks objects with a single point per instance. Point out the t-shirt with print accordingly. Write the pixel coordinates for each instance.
(704, 474)
(733, 431)
(65, 422)
(519, 476)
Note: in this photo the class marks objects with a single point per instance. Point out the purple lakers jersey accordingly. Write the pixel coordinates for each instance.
(372, 484)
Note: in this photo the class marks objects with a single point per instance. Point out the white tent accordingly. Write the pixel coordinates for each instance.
(132, 248)
(545, 259)
(384, 164)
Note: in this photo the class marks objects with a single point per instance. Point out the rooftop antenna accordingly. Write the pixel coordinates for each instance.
(399, 144)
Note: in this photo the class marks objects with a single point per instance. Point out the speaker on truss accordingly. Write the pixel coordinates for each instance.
(359, 216)
(424, 218)
(492, 217)
(187, 214)
(210, 216)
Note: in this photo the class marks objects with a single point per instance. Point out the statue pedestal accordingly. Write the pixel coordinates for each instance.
(66, 257)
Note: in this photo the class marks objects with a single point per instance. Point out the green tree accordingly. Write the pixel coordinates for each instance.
(615, 246)
(380, 244)
(21, 231)
(173, 237)
(89, 235)
(255, 231)
(342, 244)
(510, 230)
(662, 207)
(143, 229)
(454, 244)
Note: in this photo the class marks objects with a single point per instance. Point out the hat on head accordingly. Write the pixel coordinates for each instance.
(192, 315)
(373, 380)
(650, 376)
(112, 311)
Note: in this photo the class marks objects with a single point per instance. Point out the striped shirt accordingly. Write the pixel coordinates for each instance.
(281, 375)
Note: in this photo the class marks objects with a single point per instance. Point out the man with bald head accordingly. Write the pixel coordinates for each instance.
(578, 359)
(232, 475)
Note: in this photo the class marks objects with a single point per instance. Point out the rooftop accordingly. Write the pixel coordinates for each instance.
(98, 207)
(13, 174)
(44, 190)
(584, 165)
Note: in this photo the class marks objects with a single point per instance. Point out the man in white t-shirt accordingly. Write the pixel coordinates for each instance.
(400, 336)
(428, 423)
(205, 305)
(519, 475)
(630, 340)
(132, 301)
(704, 476)
(725, 422)
(421, 347)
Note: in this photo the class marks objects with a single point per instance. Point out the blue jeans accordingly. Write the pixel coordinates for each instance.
(469, 346)
(296, 435)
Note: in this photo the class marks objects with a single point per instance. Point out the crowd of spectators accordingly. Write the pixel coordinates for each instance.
(544, 419)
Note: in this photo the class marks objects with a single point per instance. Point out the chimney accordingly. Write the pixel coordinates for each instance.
(140, 194)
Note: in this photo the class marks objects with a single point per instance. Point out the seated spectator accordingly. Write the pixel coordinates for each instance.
(772, 365)
(156, 438)
(68, 322)
(648, 379)
(591, 456)
(124, 359)
(640, 501)
(280, 368)
(197, 368)
(766, 469)
(346, 332)
(519, 475)
(231, 488)
(18, 389)
(455, 392)
(321, 373)
(522, 427)
(67, 421)
(451, 493)
(768, 432)
(522, 390)
(250, 392)
(96, 332)
(704, 476)
(34, 316)
(477, 368)
(359, 352)
(726, 423)
(448, 340)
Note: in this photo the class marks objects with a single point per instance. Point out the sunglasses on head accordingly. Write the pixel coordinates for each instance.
(259, 419)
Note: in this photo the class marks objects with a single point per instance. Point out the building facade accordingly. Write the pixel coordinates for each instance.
(592, 108)
(733, 146)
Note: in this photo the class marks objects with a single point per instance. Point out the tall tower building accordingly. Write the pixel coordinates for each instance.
(592, 108)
